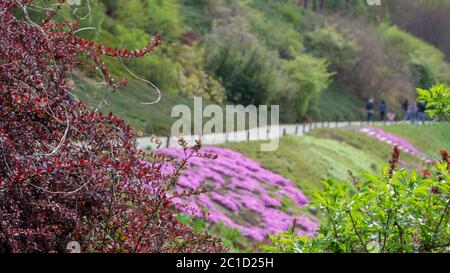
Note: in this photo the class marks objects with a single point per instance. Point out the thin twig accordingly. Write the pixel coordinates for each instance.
(61, 192)
(436, 232)
(357, 233)
(146, 81)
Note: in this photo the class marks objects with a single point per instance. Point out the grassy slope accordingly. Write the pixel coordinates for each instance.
(329, 153)
(127, 104)
(430, 139)
(336, 104)
(333, 104)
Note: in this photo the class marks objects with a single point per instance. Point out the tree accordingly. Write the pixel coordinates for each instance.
(69, 174)
(243, 66)
(132, 13)
(309, 77)
(337, 46)
(140, 14)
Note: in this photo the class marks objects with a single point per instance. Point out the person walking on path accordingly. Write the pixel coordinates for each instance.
(421, 116)
(369, 107)
(382, 110)
(405, 107)
(412, 112)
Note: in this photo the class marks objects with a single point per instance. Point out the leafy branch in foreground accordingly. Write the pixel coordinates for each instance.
(67, 173)
(437, 99)
(398, 211)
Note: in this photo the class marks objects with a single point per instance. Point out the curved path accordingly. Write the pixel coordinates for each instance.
(257, 134)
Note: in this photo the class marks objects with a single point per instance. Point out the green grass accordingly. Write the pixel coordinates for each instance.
(322, 154)
(329, 153)
(336, 104)
(126, 104)
(430, 139)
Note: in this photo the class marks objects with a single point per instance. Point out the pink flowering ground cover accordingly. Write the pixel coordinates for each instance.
(245, 196)
(389, 138)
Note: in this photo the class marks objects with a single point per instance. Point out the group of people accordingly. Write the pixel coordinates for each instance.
(414, 112)
(370, 107)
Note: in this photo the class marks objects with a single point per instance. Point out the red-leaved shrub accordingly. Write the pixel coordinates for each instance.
(66, 173)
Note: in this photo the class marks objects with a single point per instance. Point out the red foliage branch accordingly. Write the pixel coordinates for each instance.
(394, 161)
(68, 174)
(445, 159)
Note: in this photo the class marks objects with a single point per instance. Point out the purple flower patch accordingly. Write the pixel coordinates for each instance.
(246, 196)
(393, 140)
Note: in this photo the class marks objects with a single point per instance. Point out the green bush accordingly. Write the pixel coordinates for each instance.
(340, 48)
(153, 16)
(194, 17)
(287, 42)
(244, 67)
(157, 67)
(192, 79)
(290, 11)
(161, 71)
(131, 13)
(352, 7)
(397, 211)
(437, 100)
(164, 17)
(307, 76)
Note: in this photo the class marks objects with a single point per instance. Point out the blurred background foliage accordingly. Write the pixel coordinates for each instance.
(318, 59)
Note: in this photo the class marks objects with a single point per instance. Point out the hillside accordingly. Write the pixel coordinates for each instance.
(329, 153)
(324, 65)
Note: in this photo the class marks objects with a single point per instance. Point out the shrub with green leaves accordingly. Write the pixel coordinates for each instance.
(339, 47)
(193, 80)
(154, 16)
(290, 12)
(287, 42)
(397, 211)
(157, 68)
(437, 99)
(306, 76)
(244, 67)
